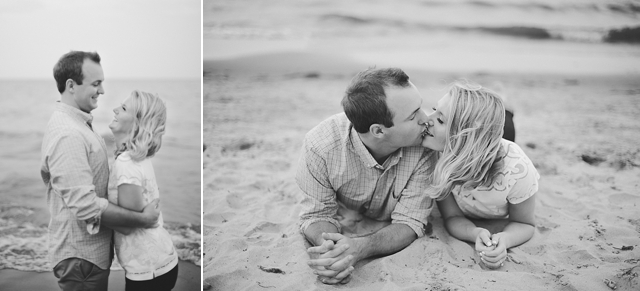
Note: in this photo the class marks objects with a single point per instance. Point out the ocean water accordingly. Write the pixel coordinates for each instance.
(25, 108)
(571, 36)
(572, 20)
(30, 103)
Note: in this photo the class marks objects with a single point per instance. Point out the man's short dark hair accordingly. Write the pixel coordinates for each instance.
(365, 102)
(69, 66)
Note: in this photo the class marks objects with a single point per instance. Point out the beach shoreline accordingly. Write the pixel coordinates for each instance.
(579, 130)
(189, 278)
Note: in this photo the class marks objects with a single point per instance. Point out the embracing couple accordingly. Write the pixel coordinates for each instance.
(388, 161)
(88, 201)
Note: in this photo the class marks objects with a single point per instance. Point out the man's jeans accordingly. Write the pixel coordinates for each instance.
(79, 274)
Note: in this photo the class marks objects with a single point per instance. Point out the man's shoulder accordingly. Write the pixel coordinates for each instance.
(62, 126)
(329, 133)
(61, 121)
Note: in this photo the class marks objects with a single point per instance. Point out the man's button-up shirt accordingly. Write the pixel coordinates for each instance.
(75, 170)
(336, 166)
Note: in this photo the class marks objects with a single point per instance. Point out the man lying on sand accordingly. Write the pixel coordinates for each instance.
(368, 159)
(75, 171)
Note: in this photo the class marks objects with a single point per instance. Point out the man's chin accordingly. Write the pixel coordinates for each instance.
(416, 142)
(425, 142)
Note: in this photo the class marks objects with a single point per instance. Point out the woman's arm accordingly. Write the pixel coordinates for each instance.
(519, 230)
(458, 225)
(521, 223)
(129, 197)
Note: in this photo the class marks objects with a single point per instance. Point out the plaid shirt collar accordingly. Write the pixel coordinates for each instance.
(366, 157)
(74, 112)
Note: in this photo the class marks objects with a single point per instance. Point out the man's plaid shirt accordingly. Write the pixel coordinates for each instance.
(75, 170)
(336, 166)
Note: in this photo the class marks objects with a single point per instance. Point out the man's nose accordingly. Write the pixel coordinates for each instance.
(100, 89)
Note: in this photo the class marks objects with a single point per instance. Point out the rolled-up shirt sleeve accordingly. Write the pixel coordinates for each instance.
(415, 205)
(71, 179)
(319, 199)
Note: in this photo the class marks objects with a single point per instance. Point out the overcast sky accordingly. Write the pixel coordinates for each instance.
(150, 39)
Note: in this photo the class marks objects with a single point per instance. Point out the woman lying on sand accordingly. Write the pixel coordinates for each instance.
(147, 255)
(489, 177)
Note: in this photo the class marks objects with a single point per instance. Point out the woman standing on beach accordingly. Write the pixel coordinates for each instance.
(487, 176)
(148, 256)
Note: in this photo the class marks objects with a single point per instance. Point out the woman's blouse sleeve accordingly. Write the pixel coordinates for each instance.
(128, 172)
(524, 179)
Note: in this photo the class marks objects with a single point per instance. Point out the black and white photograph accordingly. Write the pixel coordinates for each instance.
(421, 145)
(100, 170)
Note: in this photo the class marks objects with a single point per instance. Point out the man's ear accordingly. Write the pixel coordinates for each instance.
(70, 84)
(377, 130)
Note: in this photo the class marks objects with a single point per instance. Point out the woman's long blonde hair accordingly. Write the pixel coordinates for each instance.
(472, 153)
(145, 137)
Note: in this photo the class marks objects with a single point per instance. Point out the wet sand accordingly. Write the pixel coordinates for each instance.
(189, 278)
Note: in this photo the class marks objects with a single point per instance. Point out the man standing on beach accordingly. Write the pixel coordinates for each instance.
(75, 171)
(366, 159)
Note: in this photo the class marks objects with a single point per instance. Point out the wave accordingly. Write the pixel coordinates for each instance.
(627, 35)
(518, 31)
(23, 245)
(623, 7)
(514, 31)
(562, 33)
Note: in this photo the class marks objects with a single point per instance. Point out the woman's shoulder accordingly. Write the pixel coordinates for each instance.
(514, 154)
(124, 157)
(519, 174)
(124, 160)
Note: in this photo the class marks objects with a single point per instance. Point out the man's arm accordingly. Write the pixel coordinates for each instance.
(320, 206)
(386, 241)
(129, 198)
(71, 177)
(319, 199)
(408, 219)
(314, 231)
(335, 265)
(116, 216)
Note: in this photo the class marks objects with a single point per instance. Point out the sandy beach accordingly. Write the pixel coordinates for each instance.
(579, 130)
(274, 71)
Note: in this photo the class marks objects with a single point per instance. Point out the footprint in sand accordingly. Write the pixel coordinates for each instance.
(544, 226)
(274, 165)
(264, 227)
(577, 257)
(279, 165)
(624, 200)
(235, 201)
(218, 218)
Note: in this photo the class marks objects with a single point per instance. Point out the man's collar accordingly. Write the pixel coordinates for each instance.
(86, 117)
(366, 156)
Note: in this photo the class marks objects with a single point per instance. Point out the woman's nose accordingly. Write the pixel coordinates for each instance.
(428, 121)
(431, 117)
(422, 117)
